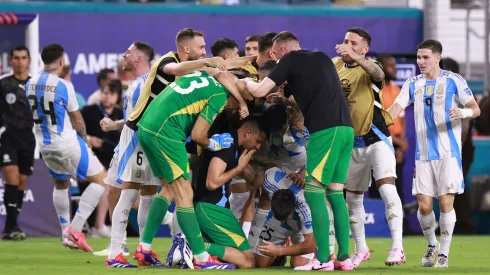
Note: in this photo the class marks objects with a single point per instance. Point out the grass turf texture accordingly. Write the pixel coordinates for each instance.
(46, 256)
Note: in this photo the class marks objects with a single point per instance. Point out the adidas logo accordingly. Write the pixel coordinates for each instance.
(391, 205)
(392, 216)
(389, 171)
(332, 233)
(445, 233)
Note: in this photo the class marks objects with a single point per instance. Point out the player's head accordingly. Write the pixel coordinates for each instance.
(429, 55)
(282, 204)
(277, 118)
(53, 58)
(266, 68)
(105, 75)
(191, 44)
(450, 64)
(389, 66)
(265, 45)
(111, 93)
(253, 132)
(359, 40)
(283, 43)
(20, 59)
(65, 73)
(224, 47)
(138, 54)
(252, 45)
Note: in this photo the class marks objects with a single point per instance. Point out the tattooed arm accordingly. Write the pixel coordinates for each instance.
(373, 69)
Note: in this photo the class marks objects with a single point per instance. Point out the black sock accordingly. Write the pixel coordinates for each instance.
(20, 200)
(10, 200)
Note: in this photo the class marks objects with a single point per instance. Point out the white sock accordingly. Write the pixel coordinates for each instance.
(120, 220)
(446, 223)
(61, 203)
(169, 217)
(332, 237)
(203, 257)
(89, 200)
(246, 227)
(175, 228)
(428, 223)
(394, 214)
(357, 217)
(257, 223)
(143, 209)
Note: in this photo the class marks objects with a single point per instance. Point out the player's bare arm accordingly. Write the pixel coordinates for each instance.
(200, 131)
(471, 110)
(239, 61)
(179, 69)
(78, 124)
(373, 69)
(228, 82)
(260, 89)
(395, 110)
(107, 124)
(217, 176)
(302, 248)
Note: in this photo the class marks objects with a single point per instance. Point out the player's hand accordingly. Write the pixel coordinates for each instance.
(242, 87)
(244, 159)
(258, 180)
(95, 142)
(220, 141)
(107, 124)
(269, 249)
(211, 71)
(297, 179)
(243, 111)
(455, 113)
(216, 62)
(346, 50)
(277, 97)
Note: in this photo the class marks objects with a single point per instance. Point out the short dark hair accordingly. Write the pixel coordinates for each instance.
(362, 33)
(51, 53)
(145, 48)
(268, 65)
(258, 121)
(450, 64)
(252, 38)
(221, 44)
(115, 86)
(265, 41)
(282, 204)
(103, 75)
(432, 44)
(284, 36)
(382, 56)
(276, 116)
(187, 33)
(18, 49)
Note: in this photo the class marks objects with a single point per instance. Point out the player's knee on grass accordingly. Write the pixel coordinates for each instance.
(243, 260)
(298, 261)
(263, 261)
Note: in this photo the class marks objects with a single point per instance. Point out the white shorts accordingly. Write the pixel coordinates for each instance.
(273, 232)
(237, 203)
(70, 158)
(130, 164)
(378, 157)
(438, 177)
(291, 164)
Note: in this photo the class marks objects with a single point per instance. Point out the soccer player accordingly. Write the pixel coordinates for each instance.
(225, 48)
(185, 108)
(313, 81)
(436, 95)
(289, 218)
(121, 175)
(62, 140)
(17, 142)
(361, 80)
(252, 45)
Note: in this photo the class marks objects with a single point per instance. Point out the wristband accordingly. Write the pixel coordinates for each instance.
(466, 112)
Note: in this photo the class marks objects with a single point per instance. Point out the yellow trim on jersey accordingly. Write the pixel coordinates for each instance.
(176, 171)
(237, 239)
(318, 171)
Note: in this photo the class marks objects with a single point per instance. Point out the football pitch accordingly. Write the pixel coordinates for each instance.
(46, 256)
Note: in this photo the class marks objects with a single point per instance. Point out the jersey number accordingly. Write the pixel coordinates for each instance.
(34, 105)
(194, 84)
(139, 159)
(267, 231)
(428, 102)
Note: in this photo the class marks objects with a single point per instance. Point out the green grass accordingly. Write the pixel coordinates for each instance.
(47, 256)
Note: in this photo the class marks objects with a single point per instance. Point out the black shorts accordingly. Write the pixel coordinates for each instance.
(18, 149)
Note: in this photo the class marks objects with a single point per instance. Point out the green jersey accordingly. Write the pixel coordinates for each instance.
(173, 113)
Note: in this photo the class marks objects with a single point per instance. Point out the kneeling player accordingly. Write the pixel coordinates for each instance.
(290, 218)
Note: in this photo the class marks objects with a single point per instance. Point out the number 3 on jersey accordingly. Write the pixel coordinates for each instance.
(33, 101)
(193, 84)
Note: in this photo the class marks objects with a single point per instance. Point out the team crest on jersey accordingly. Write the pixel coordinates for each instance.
(439, 90)
(11, 98)
(418, 92)
(429, 90)
(138, 173)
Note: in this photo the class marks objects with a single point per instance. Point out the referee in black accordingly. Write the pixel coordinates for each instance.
(17, 142)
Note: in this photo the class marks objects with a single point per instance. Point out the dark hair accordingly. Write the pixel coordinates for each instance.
(51, 53)
(145, 48)
(253, 37)
(222, 44)
(258, 121)
(434, 45)
(282, 204)
(362, 33)
(284, 36)
(115, 86)
(276, 116)
(450, 64)
(382, 57)
(103, 74)
(18, 49)
(268, 65)
(187, 33)
(265, 41)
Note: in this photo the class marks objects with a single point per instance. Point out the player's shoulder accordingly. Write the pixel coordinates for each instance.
(67, 84)
(414, 79)
(274, 175)
(6, 77)
(457, 78)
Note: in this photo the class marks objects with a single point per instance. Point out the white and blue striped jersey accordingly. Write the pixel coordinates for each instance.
(438, 136)
(289, 150)
(275, 179)
(132, 94)
(51, 98)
